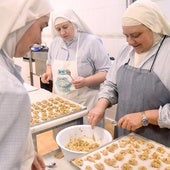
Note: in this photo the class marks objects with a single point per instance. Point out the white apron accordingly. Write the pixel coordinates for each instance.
(62, 83)
(139, 90)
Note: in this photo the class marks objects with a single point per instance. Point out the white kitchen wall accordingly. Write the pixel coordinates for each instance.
(164, 4)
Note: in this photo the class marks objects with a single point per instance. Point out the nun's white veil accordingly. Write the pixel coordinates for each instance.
(69, 15)
(149, 14)
(16, 18)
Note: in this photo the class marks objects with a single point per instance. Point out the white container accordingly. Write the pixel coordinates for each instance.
(63, 138)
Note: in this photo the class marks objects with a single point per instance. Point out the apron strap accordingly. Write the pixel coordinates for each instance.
(157, 52)
(77, 48)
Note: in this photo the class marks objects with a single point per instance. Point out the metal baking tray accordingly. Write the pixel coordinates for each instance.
(42, 112)
(125, 153)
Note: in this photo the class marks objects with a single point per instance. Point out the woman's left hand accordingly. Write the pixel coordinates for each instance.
(79, 82)
(38, 163)
(131, 121)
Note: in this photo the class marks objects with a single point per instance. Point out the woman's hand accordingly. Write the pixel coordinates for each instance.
(95, 116)
(131, 121)
(97, 113)
(45, 78)
(79, 82)
(38, 163)
(93, 80)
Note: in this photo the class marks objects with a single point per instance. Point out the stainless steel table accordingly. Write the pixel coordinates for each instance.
(60, 163)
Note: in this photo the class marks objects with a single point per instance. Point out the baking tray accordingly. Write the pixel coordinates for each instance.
(130, 152)
(53, 108)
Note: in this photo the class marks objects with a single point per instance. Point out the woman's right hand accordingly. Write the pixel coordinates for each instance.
(38, 163)
(95, 116)
(45, 78)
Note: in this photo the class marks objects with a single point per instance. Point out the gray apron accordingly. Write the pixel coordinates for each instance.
(140, 90)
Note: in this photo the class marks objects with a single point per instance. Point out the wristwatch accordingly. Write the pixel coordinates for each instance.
(145, 121)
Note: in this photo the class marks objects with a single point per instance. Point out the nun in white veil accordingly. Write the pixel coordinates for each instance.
(77, 49)
(138, 81)
(17, 19)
